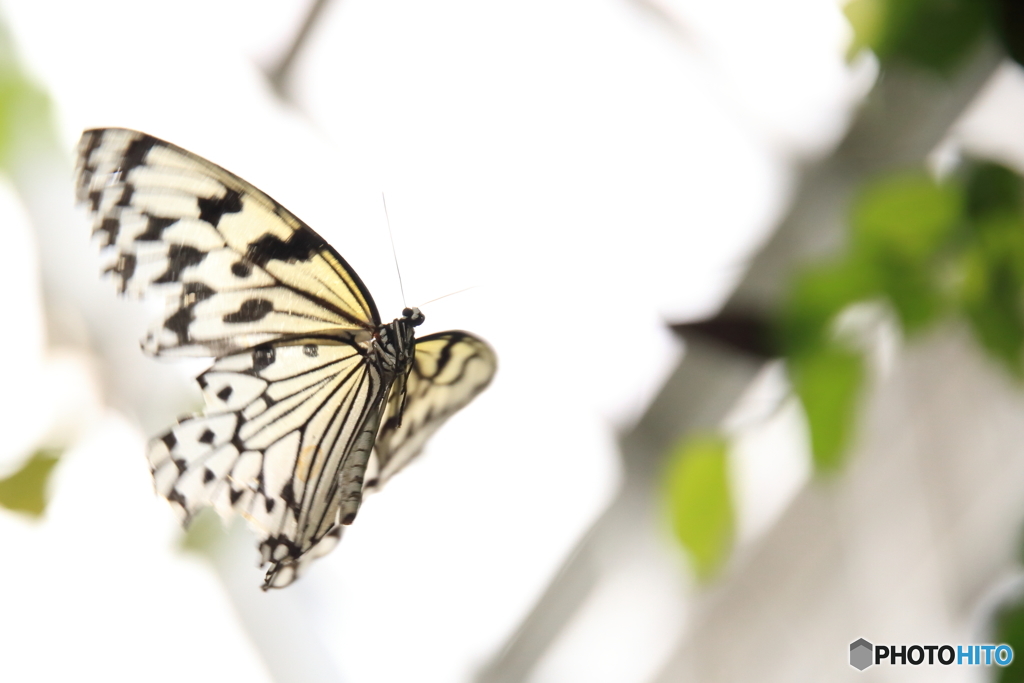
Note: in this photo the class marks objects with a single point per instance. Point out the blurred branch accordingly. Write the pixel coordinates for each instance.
(657, 10)
(280, 75)
(904, 118)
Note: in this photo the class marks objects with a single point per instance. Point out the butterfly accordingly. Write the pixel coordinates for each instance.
(311, 401)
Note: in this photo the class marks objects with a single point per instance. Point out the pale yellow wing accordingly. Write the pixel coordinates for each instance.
(448, 371)
(236, 267)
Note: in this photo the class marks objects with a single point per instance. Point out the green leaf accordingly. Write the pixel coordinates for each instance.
(817, 295)
(25, 490)
(1009, 629)
(699, 501)
(1008, 18)
(993, 189)
(25, 114)
(204, 532)
(902, 227)
(915, 291)
(828, 383)
(907, 215)
(992, 288)
(867, 19)
(934, 34)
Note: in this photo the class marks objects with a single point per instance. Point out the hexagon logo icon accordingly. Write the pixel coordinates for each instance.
(860, 654)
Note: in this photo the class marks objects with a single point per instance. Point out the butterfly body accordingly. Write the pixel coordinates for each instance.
(311, 401)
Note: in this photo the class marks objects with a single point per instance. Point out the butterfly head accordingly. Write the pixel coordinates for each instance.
(413, 315)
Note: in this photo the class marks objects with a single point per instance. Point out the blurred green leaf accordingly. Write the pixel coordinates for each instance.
(908, 215)
(935, 34)
(24, 110)
(817, 295)
(914, 291)
(25, 490)
(204, 532)
(25, 115)
(699, 501)
(927, 249)
(1009, 22)
(867, 19)
(992, 287)
(828, 383)
(1009, 629)
(992, 189)
(901, 227)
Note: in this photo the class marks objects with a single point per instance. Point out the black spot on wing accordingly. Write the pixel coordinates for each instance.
(85, 176)
(288, 496)
(392, 423)
(262, 357)
(212, 209)
(208, 475)
(180, 464)
(95, 197)
(135, 155)
(179, 258)
(175, 497)
(225, 393)
(179, 322)
(169, 440)
(110, 227)
(311, 350)
(155, 226)
(269, 548)
(301, 245)
(443, 359)
(207, 437)
(270, 505)
(241, 269)
(192, 294)
(123, 267)
(235, 495)
(126, 196)
(250, 311)
(95, 138)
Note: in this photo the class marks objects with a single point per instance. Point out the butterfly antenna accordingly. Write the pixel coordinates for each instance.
(393, 251)
(445, 296)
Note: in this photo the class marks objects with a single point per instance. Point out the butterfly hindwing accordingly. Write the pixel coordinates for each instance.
(236, 267)
(449, 369)
(283, 442)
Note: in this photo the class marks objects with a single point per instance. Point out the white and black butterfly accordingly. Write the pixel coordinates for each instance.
(311, 400)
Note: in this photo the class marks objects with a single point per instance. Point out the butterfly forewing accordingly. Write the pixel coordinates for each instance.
(236, 267)
(448, 371)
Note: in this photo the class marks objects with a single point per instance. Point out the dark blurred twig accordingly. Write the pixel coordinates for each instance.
(280, 74)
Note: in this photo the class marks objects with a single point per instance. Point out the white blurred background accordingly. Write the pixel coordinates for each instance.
(593, 170)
